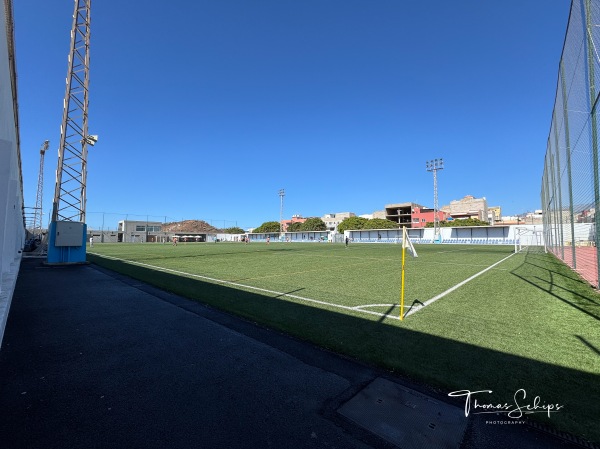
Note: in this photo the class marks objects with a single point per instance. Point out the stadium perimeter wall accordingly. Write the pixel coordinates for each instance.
(526, 235)
(12, 223)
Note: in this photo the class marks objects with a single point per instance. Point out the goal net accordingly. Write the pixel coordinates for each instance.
(526, 237)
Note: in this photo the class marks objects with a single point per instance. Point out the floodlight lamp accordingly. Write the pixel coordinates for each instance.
(91, 139)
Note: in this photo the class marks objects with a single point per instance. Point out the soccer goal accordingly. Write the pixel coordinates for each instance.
(528, 236)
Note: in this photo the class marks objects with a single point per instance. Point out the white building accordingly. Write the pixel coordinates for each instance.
(333, 220)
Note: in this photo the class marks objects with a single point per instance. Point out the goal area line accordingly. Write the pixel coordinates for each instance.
(456, 287)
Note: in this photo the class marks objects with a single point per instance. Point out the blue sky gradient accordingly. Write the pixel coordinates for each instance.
(205, 109)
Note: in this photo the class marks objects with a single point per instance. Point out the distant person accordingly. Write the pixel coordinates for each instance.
(174, 241)
(91, 241)
(268, 240)
(347, 241)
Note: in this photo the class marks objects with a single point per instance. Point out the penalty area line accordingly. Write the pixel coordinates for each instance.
(249, 287)
(457, 286)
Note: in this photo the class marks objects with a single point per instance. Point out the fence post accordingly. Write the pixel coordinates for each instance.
(593, 103)
(560, 206)
(568, 152)
(553, 194)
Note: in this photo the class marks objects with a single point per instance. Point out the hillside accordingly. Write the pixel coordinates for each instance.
(196, 226)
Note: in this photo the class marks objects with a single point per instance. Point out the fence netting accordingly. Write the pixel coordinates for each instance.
(570, 182)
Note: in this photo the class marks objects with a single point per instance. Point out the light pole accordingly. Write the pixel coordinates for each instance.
(433, 166)
(38, 213)
(68, 229)
(281, 195)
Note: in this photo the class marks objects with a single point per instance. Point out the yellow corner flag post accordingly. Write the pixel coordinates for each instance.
(402, 288)
(406, 243)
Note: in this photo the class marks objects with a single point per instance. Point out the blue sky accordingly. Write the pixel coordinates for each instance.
(205, 109)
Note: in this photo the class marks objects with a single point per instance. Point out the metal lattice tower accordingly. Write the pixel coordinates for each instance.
(38, 216)
(281, 195)
(71, 174)
(433, 166)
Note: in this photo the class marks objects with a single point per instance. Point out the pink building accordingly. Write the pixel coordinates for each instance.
(295, 219)
(423, 215)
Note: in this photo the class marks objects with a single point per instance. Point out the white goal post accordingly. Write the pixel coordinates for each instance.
(527, 236)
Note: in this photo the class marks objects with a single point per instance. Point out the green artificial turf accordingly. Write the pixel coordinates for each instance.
(528, 323)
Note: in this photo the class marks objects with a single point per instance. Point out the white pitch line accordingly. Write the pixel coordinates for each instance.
(460, 284)
(374, 305)
(250, 287)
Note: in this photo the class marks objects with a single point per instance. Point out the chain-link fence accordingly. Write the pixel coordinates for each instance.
(109, 221)
(570, 185)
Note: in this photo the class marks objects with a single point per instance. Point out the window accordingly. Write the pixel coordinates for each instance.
(142, 228)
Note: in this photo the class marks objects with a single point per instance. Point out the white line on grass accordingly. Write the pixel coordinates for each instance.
(453, 250)
(303, 272)
(462, 264)
(460, 284)
(375, 305)
(250, 287)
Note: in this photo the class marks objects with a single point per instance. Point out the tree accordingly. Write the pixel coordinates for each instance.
(268, 226)
(294, 227)
(352, 223)
(313, 224)
(234, 230)
(380, 223)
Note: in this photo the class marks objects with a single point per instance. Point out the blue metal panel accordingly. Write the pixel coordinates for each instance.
(65, 254)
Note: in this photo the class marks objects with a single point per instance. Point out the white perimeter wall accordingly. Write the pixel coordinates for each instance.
(584, 232)
(533, 236)
(12, 229)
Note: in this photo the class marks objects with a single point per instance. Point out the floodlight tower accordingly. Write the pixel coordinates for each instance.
(67, 233)
(38, 216)
(433, 166)
(281, 195)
